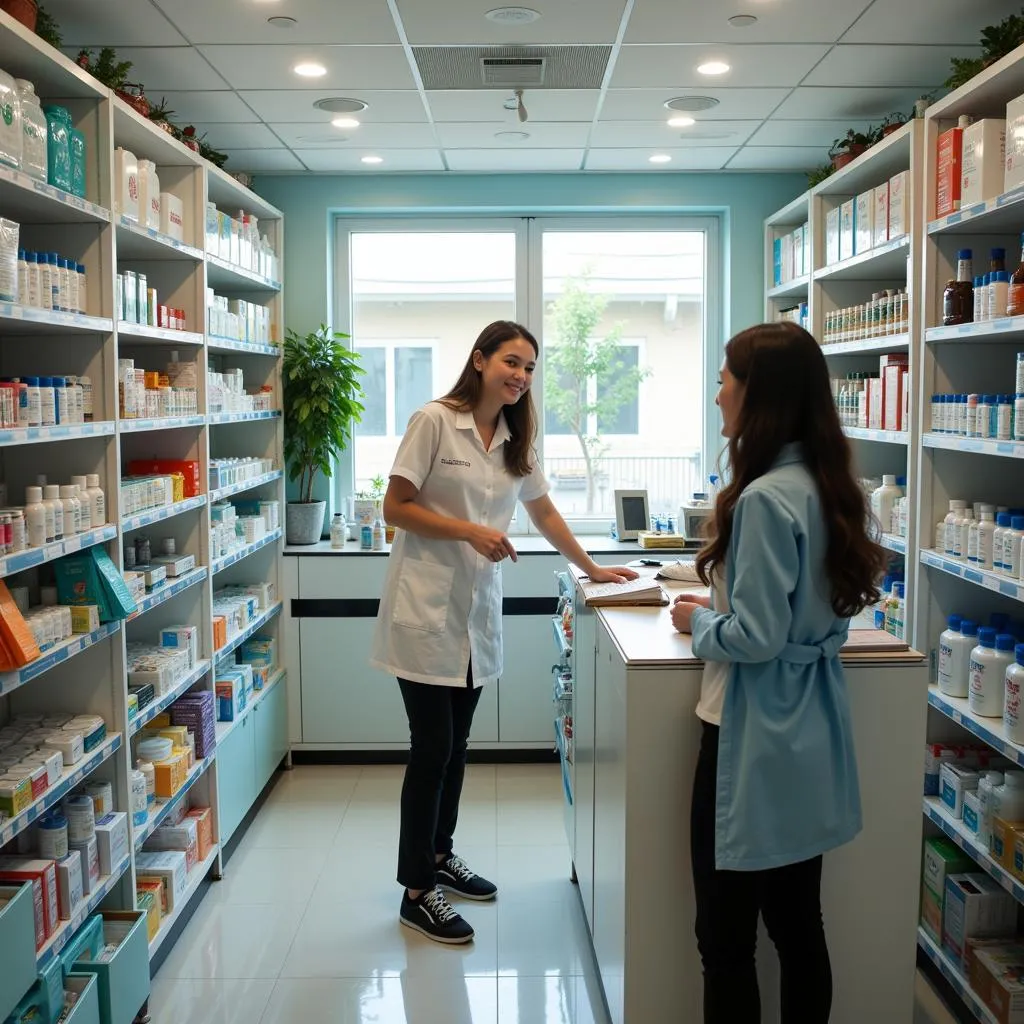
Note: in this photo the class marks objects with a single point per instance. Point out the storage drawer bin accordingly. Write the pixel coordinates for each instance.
(17, 945)
(123, 980)
(87, 1009)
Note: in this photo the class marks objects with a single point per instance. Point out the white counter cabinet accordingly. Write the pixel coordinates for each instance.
(636, 685)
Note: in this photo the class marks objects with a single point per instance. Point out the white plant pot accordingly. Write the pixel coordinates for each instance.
(304, 521)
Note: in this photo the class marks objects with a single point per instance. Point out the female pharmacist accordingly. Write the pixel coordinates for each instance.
(789, 562)
(463, 463)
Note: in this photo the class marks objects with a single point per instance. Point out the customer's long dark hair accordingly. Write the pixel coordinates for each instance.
(787, 397)
(521, 417)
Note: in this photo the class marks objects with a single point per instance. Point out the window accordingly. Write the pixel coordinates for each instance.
(620, 308)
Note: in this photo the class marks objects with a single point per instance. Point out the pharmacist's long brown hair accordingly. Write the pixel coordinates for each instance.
(788, 397)
(521, 417)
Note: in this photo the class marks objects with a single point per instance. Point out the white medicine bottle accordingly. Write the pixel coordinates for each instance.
(339, 530)
(85, 499)
(51, 495)
(378, 534)
(989, 661)
(1002, 526)
(1013, 711)
(962, 541)
(1008, 799)
(954, 654)
(1012, 539)
(72, 510)
(35, 517)
(956, 508)
(986, 784)
(986, 538)
(882, 501)
(98, 499)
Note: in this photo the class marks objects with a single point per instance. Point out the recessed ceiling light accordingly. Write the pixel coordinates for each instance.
(742, 20)
(680, 122)
(372, 159)
(512, 15)
(512, 136)
(345, 122)
(713, 67)
(660, 158)
(691, 104)
(309, 69)
(281, 21)
(340, 105)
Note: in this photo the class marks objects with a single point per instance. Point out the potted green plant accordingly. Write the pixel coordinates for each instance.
(321, 404)
(996, 42)
(848, 147)
(891, 123)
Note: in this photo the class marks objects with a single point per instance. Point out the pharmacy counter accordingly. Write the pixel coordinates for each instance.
(636, 738)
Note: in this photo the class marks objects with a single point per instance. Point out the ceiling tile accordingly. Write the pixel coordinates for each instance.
(697, 159)
(170, 68)
(542, 136)
(462, 22)
(945, 22)
(349, 160)
(105, 23)
(649, 104)
(923, 67)
(777, 158)
(297, 104)
(299, 135)
(487, 105)
(499, 160)
(622, 135)
(348, 67)
(205, 22)
(676, 66)
(822, 103)
(791, 21)
(803, 133)
(262, 160)
(221, 106)
(238, 136)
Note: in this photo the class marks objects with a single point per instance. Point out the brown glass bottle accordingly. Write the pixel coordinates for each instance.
(958, 296)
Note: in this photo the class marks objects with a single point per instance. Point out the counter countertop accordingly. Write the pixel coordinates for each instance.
(646, 638)
(524, 545)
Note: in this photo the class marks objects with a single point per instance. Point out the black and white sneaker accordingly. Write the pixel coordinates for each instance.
(455, 876)
(433, 915)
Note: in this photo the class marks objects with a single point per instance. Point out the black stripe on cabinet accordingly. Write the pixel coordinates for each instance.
(366, 607)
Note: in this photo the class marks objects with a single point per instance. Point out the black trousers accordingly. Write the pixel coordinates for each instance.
(440, 718)
(728, 905)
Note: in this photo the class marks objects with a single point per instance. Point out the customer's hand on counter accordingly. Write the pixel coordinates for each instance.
(682, 610)
(612, 574)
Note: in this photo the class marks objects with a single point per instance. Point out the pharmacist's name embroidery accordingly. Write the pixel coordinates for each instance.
(456, 462)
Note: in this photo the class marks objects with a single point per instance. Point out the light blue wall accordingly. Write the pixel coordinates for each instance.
(310, 202)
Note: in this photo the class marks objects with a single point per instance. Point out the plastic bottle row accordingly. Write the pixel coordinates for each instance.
(45, 401)
(137, 303)
(150, 394)
(991, 417)
(888, 501)
(890, 614)
(225, 392)
(986, 536)
(877, 401)
(971, 298)
(985, 664)
(53, 512)
(887, 313)
(40, 141)
(40, 280)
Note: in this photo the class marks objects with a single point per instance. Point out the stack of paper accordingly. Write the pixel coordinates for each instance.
(634, 592)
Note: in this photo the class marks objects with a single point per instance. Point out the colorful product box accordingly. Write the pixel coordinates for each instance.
(942, 858)
(69, 884)
(976, 907)
(230, 690)
(168, 865)
(881, 217)
(182, 638)
(89, 849)
(22, 869)
(1003, 835)
(203, 817)
(864, 222)
(184, 837)
(112, 840)
(899, 205)
(997, 977)
(85, 618)
(17, 636)
(154, 887)
(982, 168)
(147, 902)
(949, 153)
(1014, 176)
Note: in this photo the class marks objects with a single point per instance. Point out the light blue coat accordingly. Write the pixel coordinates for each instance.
(787, 775)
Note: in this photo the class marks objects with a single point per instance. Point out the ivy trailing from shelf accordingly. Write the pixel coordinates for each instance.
(996, 42)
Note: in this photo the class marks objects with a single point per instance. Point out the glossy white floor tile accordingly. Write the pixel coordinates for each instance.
(304, 925)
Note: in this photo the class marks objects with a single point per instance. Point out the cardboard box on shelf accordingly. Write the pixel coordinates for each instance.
(1014, 176)
(997, 977)
(864, 222)
(899, 205)
(881, 220)
(949, 153)
(168, 865)
(942, 858)
(982, 167)
(847, 229)
(25, 869)
(832, 236)
(976, 907)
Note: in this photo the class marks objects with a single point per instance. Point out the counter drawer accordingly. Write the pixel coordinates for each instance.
(87, 1009)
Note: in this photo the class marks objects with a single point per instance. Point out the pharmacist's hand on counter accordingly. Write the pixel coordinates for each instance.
(682, 610)
(612, 574)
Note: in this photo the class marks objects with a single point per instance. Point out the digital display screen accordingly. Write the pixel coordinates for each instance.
(634, 514)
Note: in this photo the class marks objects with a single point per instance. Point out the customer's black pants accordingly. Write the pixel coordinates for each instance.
(439, 722)
(728, 904)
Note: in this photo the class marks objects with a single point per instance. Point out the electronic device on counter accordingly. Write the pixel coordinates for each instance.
(631, 514)
(693, 518)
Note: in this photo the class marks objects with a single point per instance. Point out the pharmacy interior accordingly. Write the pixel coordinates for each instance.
(163, 653)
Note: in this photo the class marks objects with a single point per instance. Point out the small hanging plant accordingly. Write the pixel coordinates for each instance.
(996, 42)
(105, 68)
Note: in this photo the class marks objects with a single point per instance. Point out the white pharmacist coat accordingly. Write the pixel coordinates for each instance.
(441, 604)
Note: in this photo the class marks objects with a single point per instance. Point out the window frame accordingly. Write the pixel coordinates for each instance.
(390, 346)
(528, 306)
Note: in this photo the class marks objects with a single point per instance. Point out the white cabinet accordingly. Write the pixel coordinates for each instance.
(524, 693)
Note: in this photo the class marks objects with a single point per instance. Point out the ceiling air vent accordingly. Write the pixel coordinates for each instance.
(512, 72)
(512, 67)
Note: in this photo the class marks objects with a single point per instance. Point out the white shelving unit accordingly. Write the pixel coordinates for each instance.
(88, 674)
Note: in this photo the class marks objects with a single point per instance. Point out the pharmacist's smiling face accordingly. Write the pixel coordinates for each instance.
(729, 399)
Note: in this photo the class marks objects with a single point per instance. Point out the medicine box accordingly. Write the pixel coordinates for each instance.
(832, 236)
(175, 565)
(847, 229)
(85, 618)
(182, 638)
(203, 817)
(148, 903)
(982, 167)
(1014, 176)
(126, 184)
(154, 886)
(168, 865)
(184, 837)
(212, 229)
(112, 840)
(22, 869)
(69, 884)
(90, 863)
(942, 858)
(171, 774)
(864, 222)
(976, 907)
(172, 216)
(899, 205)
(881, 219)
(997, 976)
(972, 812)
(14, 630)
(1003, 833)
(949, 152)
(956, 780)
(230, 690)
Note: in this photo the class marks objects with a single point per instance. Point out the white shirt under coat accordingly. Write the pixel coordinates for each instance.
(715, 677)
(442, 600)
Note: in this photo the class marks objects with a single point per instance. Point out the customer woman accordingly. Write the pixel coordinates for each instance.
(789, 561)
(463, 463)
